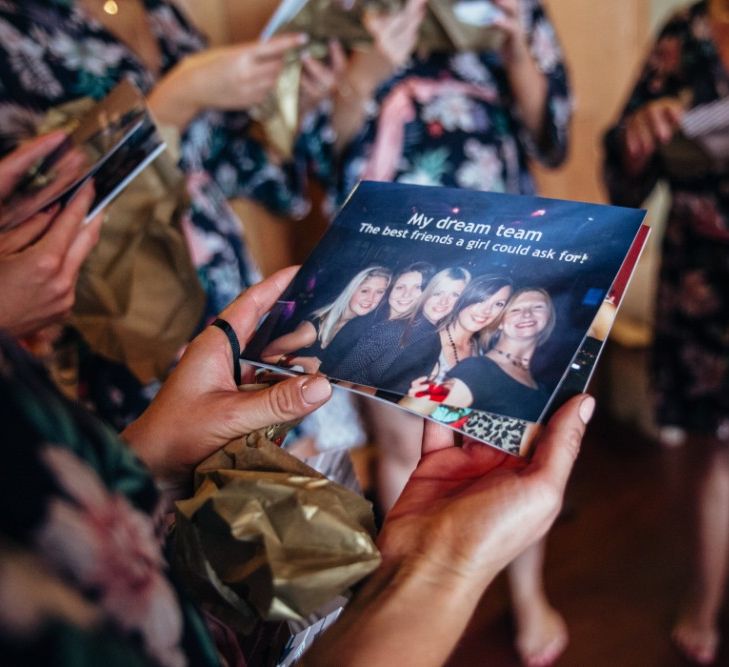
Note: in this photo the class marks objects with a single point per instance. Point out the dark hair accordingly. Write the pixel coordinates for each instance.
(426, 271)
(479, 289)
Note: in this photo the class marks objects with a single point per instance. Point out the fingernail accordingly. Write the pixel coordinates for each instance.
(587, 407)
(316, 390)
(303, 38)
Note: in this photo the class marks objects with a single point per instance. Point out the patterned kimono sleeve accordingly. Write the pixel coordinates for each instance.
(547, 53)
(243, 166)
(662, 75)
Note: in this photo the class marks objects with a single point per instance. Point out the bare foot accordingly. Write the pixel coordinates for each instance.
(697, 641)
(542, 636)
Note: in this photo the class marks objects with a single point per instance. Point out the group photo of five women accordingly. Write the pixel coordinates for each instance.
(445, 336)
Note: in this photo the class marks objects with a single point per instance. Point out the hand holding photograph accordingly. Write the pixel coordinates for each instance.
(110, 143)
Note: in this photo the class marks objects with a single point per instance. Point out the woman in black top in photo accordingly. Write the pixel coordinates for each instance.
(501, 381)
(371, 358)
(464, 333)
(311, 341)
(402, 299)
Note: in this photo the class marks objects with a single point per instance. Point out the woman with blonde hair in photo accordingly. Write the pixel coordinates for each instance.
(372, 356)
(308, 344)
(502, 380)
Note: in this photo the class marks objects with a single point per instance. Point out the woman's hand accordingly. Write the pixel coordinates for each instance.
(459, 395)
(41, 258)
(395, 34)
(649, 127)
(308, 364)
(229, 78)
(511, 24)
(465, 513)
(419, 387)
(473, 509)
(319, 80)
(199, 409)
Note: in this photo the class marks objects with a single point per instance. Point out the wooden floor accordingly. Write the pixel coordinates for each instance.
(618, 559)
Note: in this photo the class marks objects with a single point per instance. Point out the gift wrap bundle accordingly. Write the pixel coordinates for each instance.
(448, 26)
(266, 537)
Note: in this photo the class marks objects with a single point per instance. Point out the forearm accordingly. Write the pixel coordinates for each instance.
(302, 337)
(170, 100)
(529, 88)
(410, 613)
(365, 71)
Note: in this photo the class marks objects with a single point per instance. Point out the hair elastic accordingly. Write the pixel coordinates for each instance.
(228, 330)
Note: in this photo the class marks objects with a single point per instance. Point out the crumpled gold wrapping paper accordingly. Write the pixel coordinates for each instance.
(266, 536)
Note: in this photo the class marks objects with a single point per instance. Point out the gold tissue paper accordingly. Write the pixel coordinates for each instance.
(267, 537)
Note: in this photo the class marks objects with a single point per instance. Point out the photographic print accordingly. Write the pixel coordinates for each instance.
(451, 302)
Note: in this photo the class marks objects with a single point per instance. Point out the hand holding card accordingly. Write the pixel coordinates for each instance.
(112, 143)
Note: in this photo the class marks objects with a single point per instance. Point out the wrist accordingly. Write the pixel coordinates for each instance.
(366, 71)
(150, 448)
(439, 575)
(173, 101)
(392, 617)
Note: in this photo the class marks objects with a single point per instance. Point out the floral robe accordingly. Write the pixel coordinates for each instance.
(83, 574)
(51, 53)
(690, 363)
(448, 119)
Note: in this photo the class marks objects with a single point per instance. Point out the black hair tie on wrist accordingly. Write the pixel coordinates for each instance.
(234, 344)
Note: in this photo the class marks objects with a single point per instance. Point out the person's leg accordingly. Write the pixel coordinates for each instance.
(397, 435)
(696, 633)
(541, 632)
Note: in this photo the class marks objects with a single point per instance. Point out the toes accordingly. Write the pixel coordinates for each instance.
(699, 645)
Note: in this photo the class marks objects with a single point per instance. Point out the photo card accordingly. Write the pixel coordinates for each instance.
(451, 301)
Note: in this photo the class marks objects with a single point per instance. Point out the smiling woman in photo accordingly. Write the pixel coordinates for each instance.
(401, 301)
(461, 334)
(372, 357)
(310, 341)
(502, 378)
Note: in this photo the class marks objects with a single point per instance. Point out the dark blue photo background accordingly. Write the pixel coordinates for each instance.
(604, 233)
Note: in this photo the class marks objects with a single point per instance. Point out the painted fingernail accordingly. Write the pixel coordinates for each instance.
(316, 390)
(587, 407)
(302, 38)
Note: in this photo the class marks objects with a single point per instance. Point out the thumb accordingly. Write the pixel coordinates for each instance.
(558, 446)
(285, 401)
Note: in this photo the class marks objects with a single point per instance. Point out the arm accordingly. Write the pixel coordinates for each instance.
(649, 119)
(459, 395)
(537, 79)
(465, 513)
(303, 336)
(199, 409)
(394, 38)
